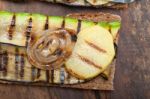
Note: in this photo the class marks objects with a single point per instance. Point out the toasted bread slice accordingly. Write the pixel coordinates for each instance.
(114, 29)
(96, 84)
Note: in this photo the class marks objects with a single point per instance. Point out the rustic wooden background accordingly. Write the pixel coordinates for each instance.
(132, 77)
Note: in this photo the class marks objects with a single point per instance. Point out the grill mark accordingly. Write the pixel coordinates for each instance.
(33, 73)
(116, 50)
(62, 75)
(38, 73)
(11, 27)
(75, 74)
(84, 59)
(28, 31)
(4, 63)
(109, 29)
(47, 76)
(46, 24)
(74, 38)
(22, 63)
(52, 76)
(95, 47)
(63, 23)
(68, 78)
(1, 54)
(16, 61)
(79, 26)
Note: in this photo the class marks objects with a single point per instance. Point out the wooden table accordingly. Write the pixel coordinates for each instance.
(132, 77)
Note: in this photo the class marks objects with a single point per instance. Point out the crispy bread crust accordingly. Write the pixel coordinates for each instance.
(96, 17)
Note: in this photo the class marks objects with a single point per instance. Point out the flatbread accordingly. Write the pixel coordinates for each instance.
(97, 83)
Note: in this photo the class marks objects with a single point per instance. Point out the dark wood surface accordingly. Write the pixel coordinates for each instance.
(132, 76)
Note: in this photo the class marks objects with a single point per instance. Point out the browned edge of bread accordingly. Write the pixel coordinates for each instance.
(119, 6)
(96, 17)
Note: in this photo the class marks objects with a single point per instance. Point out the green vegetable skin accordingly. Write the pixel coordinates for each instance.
(38, 22)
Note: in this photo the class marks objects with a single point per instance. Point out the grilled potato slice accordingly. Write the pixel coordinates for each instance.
(93, 52)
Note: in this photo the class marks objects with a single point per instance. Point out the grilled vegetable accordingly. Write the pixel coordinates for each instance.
(16, 27)
(14, 66)
(98, 17)
(92, 53)
(19, 28)
(93, 3)
(51, 50)
(84, 2)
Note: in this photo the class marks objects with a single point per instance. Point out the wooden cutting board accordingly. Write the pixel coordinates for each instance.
(132, 77)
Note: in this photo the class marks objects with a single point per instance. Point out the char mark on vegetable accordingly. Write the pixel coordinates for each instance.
(96, 47)
(28, 31)
(88, 61)
(11, 27)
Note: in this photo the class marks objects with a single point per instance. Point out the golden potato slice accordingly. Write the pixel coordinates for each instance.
(92, 53)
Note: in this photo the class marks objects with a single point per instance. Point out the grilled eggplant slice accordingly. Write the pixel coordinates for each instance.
(18, 28)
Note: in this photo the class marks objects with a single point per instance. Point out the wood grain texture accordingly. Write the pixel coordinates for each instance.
(132, 77)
